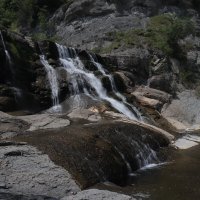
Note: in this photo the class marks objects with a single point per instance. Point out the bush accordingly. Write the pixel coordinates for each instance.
(27, 14)
(163, 33)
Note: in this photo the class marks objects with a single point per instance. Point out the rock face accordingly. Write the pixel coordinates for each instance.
(34, 173)
(24, 82)
(183, 112)
(94, 147)
(86, 24)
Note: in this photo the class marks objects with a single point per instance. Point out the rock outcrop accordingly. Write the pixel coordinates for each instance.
(89, 28)
(91, 142)
(83, 147)
(34, 174)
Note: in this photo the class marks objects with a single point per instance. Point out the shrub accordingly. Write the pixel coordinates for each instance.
(163, 33)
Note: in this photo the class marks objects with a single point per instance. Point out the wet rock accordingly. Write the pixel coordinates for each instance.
(107, 150)
(106, 83)
(121, 87)
(123, 83)
(7, 103)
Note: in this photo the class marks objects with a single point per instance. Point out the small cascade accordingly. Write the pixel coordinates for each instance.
(128, 166)
(145, 155)
(94, 60)
(8, 57)
(83, 81)
(53, 81)
(18, 93)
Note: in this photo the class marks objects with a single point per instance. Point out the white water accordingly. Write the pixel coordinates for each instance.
(8, 58)
(53, 81)
(113, 86)
(78, 73)
(125, 161)
(145, 155)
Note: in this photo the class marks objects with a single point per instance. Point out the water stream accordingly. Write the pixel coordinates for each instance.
(53, 81)
(84, 81)
(179, 179)
(8, 57)
(94, 60)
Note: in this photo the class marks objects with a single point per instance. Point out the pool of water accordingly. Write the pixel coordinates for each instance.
(176, 180)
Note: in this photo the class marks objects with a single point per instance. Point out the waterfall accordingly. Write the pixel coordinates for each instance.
(145, 155)
(90, 84)
(53, 81)
(8, 58)
(18, 93)
(94, 60)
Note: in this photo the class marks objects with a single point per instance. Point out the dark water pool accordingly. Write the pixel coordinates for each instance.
(179, 180)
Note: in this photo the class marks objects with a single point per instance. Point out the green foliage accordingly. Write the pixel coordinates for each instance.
(14, 50)
(7, 12)
(187, 77)
(162, 32)
(17, 12)
(43, 36)
(27, 14)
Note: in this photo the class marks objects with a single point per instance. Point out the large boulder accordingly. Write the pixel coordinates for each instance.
(73, 20)
(35, 175)
(94, 152)
(183, 112)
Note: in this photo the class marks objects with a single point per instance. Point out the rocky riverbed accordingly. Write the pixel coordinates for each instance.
(99, 100)
(91, 151)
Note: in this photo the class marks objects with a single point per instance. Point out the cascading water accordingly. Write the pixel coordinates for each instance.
(8, 57)
(94, 60)
(53, 81)
(90, 84)
(18, 93)
(84, 81)
(145, 155)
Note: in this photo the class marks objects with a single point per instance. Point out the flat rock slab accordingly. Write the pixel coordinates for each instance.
(85, 114)
(95, 194)
(9, 125)
(25, 170)
(45, 121)
(187, 142)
